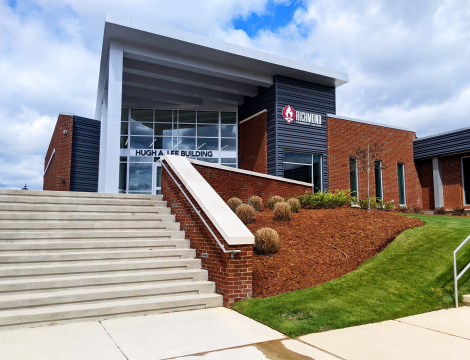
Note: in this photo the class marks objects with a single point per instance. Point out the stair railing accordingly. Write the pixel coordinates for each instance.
(232, 252)
(459, 275)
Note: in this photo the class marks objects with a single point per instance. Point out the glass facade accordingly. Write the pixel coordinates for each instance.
(210, 135)
(303, 167)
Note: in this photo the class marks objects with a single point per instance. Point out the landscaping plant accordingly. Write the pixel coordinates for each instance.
(246, 213)
(415, 209)
(324, 200)
(440, 211)
(256, 202)
(266, 241)
(234, 203)
(282, 211)
(273, 200)
(294, 205)
(458, 211)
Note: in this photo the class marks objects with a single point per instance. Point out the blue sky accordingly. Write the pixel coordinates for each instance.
(407, 60)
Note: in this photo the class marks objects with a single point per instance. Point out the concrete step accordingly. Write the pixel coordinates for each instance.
(75, 216)
(76, 208)
(90, 234)
(105, 310)
(104, 293)
(97, 244)
(74, 194)
(16, 199)
(466, 299)
(61, 255)
(33, 284)
(38, 225)
(96, 266)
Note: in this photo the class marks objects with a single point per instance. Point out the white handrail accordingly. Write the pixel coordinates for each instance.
(49, 162)
(459, 275)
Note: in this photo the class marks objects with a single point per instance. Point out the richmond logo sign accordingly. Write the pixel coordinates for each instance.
(289, 114)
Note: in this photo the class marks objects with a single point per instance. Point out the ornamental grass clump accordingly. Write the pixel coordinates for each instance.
(440, 211)
(273, 200)
(294, 205)
(234, 203)
(282, 211)
(266, 241)
(256, 202)
(325, 200)
(458, 211)
(246, 213)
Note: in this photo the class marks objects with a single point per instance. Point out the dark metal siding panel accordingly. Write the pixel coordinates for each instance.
(85, 155)
(265, 99)
(308, 97)
(444, 144)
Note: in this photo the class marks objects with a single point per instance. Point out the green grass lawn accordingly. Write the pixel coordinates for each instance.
(414, 274)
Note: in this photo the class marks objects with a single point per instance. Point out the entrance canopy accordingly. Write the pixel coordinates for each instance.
(164, 67)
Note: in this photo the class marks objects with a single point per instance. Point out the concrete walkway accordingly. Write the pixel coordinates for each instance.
(220, 333)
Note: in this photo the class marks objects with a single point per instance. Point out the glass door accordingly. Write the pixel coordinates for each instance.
(157, 179)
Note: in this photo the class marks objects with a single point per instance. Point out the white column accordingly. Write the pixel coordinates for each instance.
(113, 126)
(104, 122)
(437, 181)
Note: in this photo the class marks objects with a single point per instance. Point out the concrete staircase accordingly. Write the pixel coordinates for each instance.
(66, 256)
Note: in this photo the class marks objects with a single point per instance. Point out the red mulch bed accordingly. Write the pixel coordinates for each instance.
(321, 245)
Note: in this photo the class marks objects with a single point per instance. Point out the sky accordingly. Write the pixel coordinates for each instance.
(408, 61)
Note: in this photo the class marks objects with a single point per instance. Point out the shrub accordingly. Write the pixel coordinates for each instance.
(325, 200)
(294, 205)
(403, 209)
(388, 206)
(364, 203)
(415, 209)
(440, 211)
(458, 211)
(246, 213)
(256, 202)
(273, 200)
(266, 241)
(234, 203)
(282, 211)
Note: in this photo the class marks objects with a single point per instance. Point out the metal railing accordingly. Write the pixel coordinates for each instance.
(459, 275)
(232, 252)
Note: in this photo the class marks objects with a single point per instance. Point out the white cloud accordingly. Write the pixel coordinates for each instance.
(407, 60)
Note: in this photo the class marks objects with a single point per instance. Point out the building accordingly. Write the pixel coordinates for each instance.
(166, 91)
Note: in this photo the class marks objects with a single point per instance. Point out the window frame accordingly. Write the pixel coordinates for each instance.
(357, 175)
(463, 181)
(380, 168)
(320, 164)
(404, 184)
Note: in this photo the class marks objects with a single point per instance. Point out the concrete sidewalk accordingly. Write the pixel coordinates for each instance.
(220, 333)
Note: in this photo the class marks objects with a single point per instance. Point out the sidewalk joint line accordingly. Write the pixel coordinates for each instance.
(113, 341)
(423, 327)
(327, 352)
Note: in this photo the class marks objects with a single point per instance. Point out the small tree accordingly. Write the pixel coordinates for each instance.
(366, 161)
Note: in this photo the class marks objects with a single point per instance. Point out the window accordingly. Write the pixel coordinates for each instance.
(303, 167)
(353, 178)
(466, 180)
(378, 180)
(401, 184)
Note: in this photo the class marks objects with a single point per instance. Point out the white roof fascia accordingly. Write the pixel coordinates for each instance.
(367, 122)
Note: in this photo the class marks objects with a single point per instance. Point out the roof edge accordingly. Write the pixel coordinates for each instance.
(368, 122)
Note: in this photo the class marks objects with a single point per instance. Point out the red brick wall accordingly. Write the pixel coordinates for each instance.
(424, 169)
(232, 276)
(59, 168)
(345, 136)
(232, 184)
(451, 167)
(253, 146)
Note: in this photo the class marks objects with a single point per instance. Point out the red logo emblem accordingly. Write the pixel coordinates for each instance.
(288, 113)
